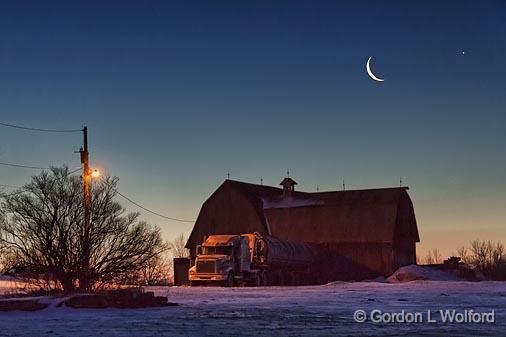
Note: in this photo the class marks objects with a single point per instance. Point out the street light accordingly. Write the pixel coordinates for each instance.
(95, 174)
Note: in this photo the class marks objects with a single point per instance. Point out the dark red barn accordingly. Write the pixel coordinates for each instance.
(358, 234)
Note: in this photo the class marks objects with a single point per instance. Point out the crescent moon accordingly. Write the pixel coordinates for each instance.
(369, 71)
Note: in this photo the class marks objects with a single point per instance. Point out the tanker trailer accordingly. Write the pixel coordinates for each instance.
(284, 262)
(252, 259)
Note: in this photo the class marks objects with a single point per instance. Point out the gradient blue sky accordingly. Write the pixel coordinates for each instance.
(176, 93)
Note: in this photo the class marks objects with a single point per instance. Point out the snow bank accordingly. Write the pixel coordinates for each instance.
(413, 273)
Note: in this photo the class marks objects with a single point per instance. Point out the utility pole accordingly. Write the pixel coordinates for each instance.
(87, 211)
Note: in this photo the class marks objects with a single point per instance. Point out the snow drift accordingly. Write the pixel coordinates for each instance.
(414, 272)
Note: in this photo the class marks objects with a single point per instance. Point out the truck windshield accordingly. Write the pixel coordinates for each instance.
(221, 250)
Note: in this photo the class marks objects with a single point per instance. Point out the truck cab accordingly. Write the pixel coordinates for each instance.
(223, 259)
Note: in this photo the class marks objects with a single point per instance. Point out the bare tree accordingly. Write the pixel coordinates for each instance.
(498, 255)
(480, 252)
(178, 246)
(437, 256)
(428, 258)
(463, 253)
(156, 272)
(487, 256)
(43, 224)
(8, 260)
(433, 257)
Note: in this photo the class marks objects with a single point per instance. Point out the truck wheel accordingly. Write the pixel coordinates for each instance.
(230, 280)
(280, 279)
(264, 279)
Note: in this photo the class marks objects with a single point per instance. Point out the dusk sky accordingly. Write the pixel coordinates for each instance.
(176, 94)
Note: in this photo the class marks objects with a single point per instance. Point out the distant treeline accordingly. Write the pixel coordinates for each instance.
(486, 256)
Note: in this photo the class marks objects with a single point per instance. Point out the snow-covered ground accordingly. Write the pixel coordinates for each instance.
(283, 311)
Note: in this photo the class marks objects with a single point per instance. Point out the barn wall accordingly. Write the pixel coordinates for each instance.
(405, 223)
(404, 252)
(354, 261)
(227, 211)
(406, 233)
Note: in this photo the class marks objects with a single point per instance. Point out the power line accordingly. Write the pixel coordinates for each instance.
(10, 186)
(19, 189)
(39, 129)
(35, 167)
(22, 189)
(125, 197)
(74, 171)
(150, 211)
(25, 166)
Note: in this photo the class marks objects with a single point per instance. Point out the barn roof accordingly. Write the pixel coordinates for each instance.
(369, 215)
(288, 181)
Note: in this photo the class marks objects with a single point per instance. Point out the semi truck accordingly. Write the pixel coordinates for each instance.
(252, 260)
